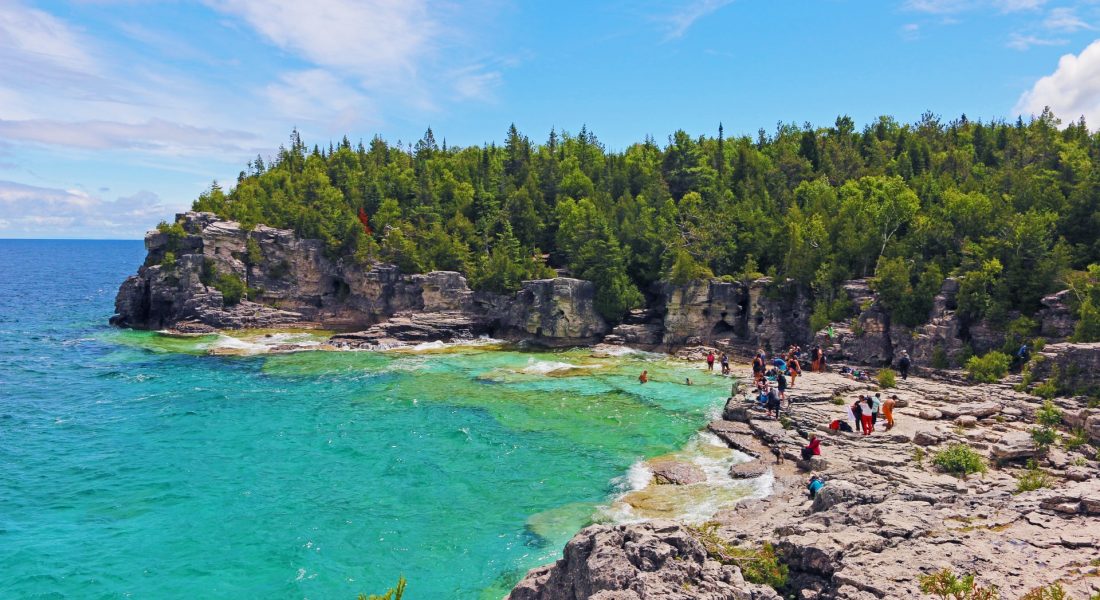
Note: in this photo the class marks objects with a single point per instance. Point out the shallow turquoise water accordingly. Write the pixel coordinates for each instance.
(133, 465)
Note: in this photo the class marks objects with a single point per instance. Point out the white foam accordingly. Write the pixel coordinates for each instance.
(545, 367)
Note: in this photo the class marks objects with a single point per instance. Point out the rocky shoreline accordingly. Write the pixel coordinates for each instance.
(886, 515)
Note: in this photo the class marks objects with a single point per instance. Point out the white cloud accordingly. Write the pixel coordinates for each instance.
(1071, 91)
(31, 211)
(1023, 42)
(39, 39)
(910, 31)
(954, 6)
(373, 39)
(1017, 5)
(317, 96)
(681, 21)
(155, 135)
(475, 83)
(1065, 19)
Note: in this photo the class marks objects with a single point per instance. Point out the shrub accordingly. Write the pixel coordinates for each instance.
(169, 261)
(1032, 479)
(253, 255)
(231, 287)
(886, 378)
(1053, 591)
(826, 312)
(1049, 415)
(758, 565)
(837, 400)
(918, 456)
(391, 594)
(989, 368)
(174, 235)
(939, 358)
(1044, 437)
(857, 327)
(948, 586)
(1077, 438)
(959, 459)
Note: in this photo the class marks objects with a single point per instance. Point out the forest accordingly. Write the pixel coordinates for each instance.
(1012, 208)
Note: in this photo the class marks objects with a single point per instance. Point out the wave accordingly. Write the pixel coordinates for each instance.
(227, 344)
(549, 367)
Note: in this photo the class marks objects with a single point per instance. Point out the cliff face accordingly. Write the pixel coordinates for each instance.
(292, 282)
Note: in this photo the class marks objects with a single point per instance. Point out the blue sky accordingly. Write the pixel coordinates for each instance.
(114, 114)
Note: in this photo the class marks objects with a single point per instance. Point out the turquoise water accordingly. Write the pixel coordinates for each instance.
(136, 465)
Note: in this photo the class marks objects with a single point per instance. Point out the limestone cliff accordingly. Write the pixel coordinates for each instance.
(291, 282)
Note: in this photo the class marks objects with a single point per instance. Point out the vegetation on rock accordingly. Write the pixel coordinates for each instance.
(948, 586)
(394, 593)
(959, 459)
(989, 368)
(758, 565)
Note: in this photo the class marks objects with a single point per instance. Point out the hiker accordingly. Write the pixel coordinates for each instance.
(710, 360)
(794, 368)
(856, 412)
(725, 360)
(838, 425)
(866, 416)
(903, 365)
(876, 407)
(644, 377)
(888, 411)
(773, 402)
(812, 449)
(1021, 357)
(815, 485)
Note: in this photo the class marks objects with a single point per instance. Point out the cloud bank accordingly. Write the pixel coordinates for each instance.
(28, 211)
(1071, 91)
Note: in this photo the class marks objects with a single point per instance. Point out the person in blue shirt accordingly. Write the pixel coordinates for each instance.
(815, 485)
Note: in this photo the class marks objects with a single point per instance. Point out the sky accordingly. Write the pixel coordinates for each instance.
(116, 114)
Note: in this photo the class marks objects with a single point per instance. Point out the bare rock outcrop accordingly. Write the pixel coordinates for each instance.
(646, 561)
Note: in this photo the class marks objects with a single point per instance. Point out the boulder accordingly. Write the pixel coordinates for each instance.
(657, 559)
(748, 470)
(1014, 445)
(978, 410)
(676, 472)
(930, 414)
(966, 420)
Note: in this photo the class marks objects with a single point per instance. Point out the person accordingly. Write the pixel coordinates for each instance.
(725, 364)
(815, 485)
(866, 416)
(644, 377)
(687, 381)
(781, 383)
(779, 364)
(812, 449)
(856, 410)
(1021, 357)
(876, 407)
(888, 411)
(815, 358)
(838, 425)
(794, 367)
(773, 402)
(903, 365)
(710, 360)
(758, 366)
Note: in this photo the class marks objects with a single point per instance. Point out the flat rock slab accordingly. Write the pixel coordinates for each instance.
(748, 470)
(978, 410)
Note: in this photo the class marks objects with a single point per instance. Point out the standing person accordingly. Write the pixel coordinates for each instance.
(816, 355)
(795, 368)
(856, 409)
(888, 411)
(904, 364)
(725, 360)
(876, 407)
(781, 383)
(710, 360)
(644, 377)
(758, 366)
(866, 416)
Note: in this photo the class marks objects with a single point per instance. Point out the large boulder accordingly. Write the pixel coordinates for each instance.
(658, 559)
(1076, 366)
(1014, 445)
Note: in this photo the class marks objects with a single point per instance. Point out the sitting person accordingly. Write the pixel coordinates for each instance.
(815, 485)
(812, 449)
(838, 425)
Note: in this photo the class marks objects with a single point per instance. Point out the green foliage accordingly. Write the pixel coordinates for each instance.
(989, 368)
(169, 261)
(1077, 438)
(1053, 591)
(939, 358)
(391, 594)
(918, 456)
(231, 286)
(1044, 437)
(886, 378)
(837, 400)
(1048, 415)
(948, 586)
(959, 459)
(758, 565)
(1005, 207)
(1046, 390)
(174, 235)
(253, 254)
(1032, 479)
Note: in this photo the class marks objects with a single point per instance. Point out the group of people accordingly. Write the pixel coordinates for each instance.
(724, 361)
(864, 414)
